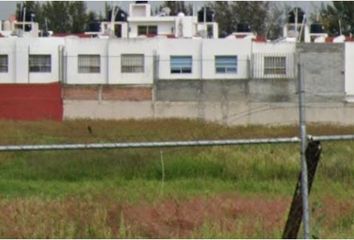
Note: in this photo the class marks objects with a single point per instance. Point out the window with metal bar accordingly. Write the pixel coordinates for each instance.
(132, 63)
(274, 65)
(40, 63)
(89, 63)
(181, 64)
(147, 30)
(4, 63)
(226, 64)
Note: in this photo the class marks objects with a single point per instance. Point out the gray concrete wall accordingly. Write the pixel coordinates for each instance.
(253, 90)
(323, 70)
(230, 112)
(240, 101)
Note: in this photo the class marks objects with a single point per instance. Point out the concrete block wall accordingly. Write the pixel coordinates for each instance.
(323, 70)
(252, 90)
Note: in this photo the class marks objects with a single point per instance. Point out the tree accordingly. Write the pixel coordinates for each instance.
(60, 16)
(275, 20)
(30, 6)
(177, 7)
(265, 18)
(78, 16)
(57, 15)
(224, 17)
(338, 17)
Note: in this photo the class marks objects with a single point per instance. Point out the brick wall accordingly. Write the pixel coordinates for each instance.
(107, 93)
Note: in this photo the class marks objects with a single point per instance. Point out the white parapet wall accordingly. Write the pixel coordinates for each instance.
(349, 71)
(262, 50)
(18, 52)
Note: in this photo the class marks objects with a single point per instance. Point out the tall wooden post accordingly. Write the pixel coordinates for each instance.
(313, 153)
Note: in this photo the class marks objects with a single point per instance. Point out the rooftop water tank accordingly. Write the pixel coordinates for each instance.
(292, 15)
(209, 15)
(141, 2)
(317, 28)
(121, 16)
(94, 26)
(243, 27)
(29, 16)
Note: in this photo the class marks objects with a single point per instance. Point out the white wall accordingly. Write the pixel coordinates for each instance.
(229, 47)
(132, 46)
(7, 47)
(179, 47)
(48, 46)
(18, 51)
(349, 70)
(262, 49)
(76, 46)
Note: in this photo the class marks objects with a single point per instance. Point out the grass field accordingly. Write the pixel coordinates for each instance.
(211, 192)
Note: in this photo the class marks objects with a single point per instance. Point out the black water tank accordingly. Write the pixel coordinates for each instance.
(317, 28)
(141, 2)
(209, 15)
(121, 16)
(94, 26)
(29, 16)
(243, 27)
(292, 14)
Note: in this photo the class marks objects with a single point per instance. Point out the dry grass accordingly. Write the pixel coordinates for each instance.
(219, 216)
(144, 130)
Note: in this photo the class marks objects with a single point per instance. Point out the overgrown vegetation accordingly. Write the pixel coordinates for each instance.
(232, 192)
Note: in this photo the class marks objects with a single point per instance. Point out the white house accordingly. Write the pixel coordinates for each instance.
(74, 60)
(273, 60)
(142, 23)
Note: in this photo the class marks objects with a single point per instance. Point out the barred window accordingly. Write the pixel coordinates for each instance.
(274, 65)
(147, 30)
(181, 64)
(132, 63)
(4, 63)
(89, 63)
(40, 63)
(226, 64)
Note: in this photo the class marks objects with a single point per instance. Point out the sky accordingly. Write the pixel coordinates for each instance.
(7, 8)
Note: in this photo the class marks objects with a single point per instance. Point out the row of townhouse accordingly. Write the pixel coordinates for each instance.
(75, 61)
(140, 61)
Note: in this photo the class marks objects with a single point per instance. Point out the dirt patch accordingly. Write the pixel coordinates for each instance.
(182, 219)
(224, 215)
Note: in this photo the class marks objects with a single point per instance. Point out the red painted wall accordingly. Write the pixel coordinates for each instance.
(31, 102)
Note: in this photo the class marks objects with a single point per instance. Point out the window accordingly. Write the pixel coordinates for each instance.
(226, 64)
(181, 64)
(4, 63)
(274, 65)
(132, 63)
(89, 63)
(147, 30)
(118, 30)
(40, 63)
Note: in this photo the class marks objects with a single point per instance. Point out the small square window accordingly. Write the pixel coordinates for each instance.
(89, 63)
(4, 63)
(132, 63)
(181, 64)
(40, 63)
(226, 64)
(274, 65)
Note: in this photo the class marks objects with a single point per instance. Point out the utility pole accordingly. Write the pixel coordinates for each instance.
(304, 174)
(310, 153)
